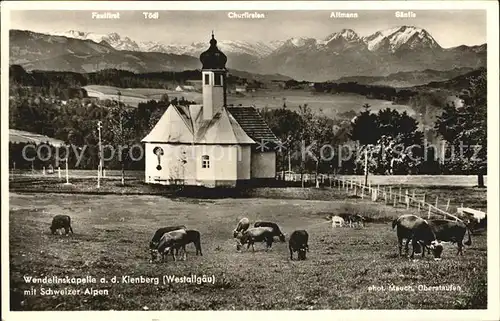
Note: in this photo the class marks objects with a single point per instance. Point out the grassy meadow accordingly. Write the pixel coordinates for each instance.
(346, 268)
(331, 105)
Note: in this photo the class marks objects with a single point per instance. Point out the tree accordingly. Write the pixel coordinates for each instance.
(286, 125)
(387, 136)
(467, 127)
(316, 132)
(365, 127)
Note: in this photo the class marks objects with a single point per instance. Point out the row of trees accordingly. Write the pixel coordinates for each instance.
(393, 140)
(369, 91)
(67, 85)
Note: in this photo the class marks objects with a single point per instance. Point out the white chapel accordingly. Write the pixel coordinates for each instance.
(210, 144)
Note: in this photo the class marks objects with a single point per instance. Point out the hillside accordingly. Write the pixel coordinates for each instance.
(408, 78)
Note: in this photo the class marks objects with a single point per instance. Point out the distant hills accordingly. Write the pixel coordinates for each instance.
(387, 53)
(407, 78)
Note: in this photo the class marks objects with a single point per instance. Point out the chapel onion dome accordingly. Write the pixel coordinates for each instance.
(213, 58)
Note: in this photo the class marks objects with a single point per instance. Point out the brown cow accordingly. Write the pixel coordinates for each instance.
(255, 234)
(418, 230)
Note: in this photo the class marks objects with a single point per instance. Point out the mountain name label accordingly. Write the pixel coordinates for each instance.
(407, 14)
(105, 15)
(344, 15)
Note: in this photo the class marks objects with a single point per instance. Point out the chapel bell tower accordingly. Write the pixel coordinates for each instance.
(214, 79)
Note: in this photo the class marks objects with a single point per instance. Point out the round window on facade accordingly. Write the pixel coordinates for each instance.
(158, 151)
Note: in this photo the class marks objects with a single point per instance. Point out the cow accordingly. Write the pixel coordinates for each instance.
(242, 226)
(357, 220)
(451, 231)
(419, 231)
(337, 221)
(256, 234)
(298, 243)
(59, 222)
(193, 236)
(352, 219)
(172, 242)
(276, 230)
(153, 244)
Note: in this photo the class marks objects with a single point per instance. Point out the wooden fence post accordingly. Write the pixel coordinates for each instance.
(385, 196)
(59, 171)
(407, 199)
(437, 202)
(419, 206)
(390, 192)
(355, 190)
(400, 195)
(394, 202)
(447, 205)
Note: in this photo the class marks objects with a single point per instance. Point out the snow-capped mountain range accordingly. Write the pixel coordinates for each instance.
(389, 40)
(258, 49)
(339, 54)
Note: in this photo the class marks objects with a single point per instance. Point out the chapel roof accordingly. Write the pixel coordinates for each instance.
(252, 123)
(185, 125)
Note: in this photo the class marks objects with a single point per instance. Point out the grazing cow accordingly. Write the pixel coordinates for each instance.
(276, 230)
(418, 230)
(172, 242)
(242, 226)
(255, 234)
(352, 219)
(193, 236)
(451, 231)
(153, 244)
(357, 220)
(337, 221)
(59, 222)
(298, 243)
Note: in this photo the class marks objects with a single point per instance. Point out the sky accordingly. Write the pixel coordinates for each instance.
(449, 28)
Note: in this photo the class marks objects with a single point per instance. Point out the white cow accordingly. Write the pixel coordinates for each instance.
(337, 221)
